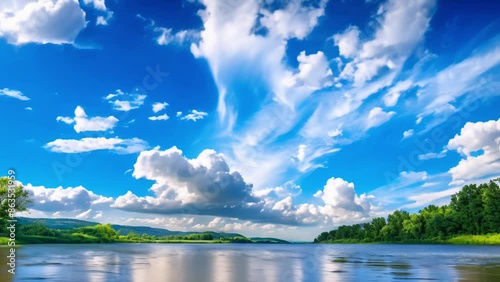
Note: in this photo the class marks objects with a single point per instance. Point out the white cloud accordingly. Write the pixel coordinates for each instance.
(101, 8)
(104, 20)
(402, 27)
(125, 102)
(296, 20)
(178, 114)
(98, 4)
(229, 28)
(341, 203)
(28, 108)
(160, 117)
(215, 222)
(377, 116)
(195, 115)
(14, 94)
(83, 123)
(204, 186)
(171, 223)
(425, 199)
(77, 199)
(301, 152)
(41, 21)
(482, 138)
(98, 215)
(348, 42)
(408, 133)
(120, 146)
(392, 96)
(460, 79)
(166, 36)
(429, 156)
(313, 73)
(84, 215)
(159, 106)
(283, 205)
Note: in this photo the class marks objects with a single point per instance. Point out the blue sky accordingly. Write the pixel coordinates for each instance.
(268, 118)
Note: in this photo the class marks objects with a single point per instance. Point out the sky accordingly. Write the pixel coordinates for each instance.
(267, 118)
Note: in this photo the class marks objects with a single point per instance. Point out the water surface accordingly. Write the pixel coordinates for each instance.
(253, 262)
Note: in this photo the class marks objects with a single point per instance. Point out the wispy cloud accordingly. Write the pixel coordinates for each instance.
(14, 94)
(117, 145)
(125, 102)
(194, 115)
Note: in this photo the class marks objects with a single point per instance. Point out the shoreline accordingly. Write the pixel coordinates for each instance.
(476, 240)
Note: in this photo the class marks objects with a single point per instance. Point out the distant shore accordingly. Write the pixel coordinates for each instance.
(32, 240)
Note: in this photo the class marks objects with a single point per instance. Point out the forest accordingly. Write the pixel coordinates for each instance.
(473, 213)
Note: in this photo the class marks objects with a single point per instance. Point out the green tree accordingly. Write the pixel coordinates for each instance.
(413, 227)
(468, 206)
(20, 196)
(378, 223)
(394, 228)
(491, 206)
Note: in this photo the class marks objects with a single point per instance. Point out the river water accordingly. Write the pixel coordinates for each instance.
(252, 262)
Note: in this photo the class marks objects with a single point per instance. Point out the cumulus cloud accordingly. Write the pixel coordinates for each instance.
(294, 21)
(159, 106)
(77, 199)
(348, 42)
(125, 102)
(100, 7)
(482, 138)
(41, 21)
(204, 186)
(117, 145)
(313, 73)
(194, 115)
(160, 117)
(14, 94)
(83, 123)
(97, 4)
(408, 133)
(377, 117)
(341, 204)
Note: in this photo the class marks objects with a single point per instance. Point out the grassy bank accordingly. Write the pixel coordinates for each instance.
(4, 240)
(489, 239)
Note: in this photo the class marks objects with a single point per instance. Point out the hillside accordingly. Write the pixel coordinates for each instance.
(68, 224)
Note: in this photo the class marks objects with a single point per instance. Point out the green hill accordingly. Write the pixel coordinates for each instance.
(269, 240)
(68, 224)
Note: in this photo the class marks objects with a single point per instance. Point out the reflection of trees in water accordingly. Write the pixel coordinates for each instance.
(4, 275)
(478, 272)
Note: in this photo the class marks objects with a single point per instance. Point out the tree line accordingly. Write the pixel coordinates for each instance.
(474, 210)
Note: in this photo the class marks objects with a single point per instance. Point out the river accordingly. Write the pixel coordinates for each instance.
(252, 262)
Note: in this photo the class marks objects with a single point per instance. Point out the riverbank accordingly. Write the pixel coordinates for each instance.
(489, 239)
